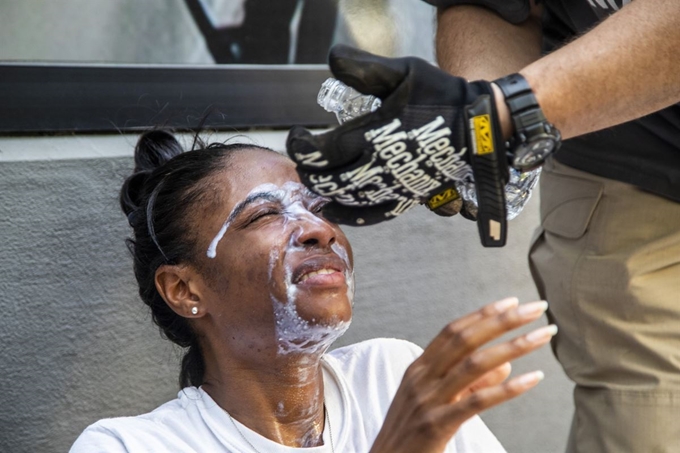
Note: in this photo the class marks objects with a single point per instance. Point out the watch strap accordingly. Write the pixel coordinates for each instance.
(512, 85)
(519, 97)
(529, 123)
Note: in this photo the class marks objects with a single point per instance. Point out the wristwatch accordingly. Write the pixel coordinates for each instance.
(534, 138)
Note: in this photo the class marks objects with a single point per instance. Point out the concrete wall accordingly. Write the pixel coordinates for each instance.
(78, 345)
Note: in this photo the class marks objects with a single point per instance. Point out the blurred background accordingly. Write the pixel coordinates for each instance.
(77, 343)
(210, 31)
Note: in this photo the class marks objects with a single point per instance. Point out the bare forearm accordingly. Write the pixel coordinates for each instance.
(475, 43)
(624, 68)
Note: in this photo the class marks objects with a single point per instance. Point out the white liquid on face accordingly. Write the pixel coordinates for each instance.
(293, 333)
(262, 188)
(291, 196)
(212, 249)
(349, 270)
(297, 335)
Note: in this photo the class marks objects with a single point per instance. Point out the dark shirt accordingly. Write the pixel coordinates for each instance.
(644, 152)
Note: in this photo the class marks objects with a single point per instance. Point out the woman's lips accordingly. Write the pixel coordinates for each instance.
(320, 271)
(322, 277)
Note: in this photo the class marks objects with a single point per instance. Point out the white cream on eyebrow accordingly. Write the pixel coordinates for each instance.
(261, 189)
(291, 196)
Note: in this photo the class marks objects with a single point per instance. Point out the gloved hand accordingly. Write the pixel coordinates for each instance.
(431, 130)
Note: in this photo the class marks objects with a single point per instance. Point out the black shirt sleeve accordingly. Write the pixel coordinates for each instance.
(514, 11)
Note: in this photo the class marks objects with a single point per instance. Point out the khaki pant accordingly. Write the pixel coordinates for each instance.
(607, 259)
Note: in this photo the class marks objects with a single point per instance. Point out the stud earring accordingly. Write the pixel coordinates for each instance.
(194, 310)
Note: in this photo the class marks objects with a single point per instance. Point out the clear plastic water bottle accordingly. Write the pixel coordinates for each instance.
(345, 101)
(348, 103)
(517, 191)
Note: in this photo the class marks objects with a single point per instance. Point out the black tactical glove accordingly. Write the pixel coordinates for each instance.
(431, 130)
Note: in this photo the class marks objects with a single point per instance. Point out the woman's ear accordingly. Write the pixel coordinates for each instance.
(178, 286)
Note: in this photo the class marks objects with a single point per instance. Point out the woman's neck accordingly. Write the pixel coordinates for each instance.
(283, 399)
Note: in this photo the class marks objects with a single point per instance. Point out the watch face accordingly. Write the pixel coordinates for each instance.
(531, 155)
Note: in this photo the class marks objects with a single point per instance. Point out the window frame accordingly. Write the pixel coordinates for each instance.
(50, 97)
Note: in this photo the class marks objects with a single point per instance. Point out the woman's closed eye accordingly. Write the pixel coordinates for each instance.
(263, 213)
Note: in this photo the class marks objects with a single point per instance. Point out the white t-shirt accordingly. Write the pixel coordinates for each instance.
(359, 381)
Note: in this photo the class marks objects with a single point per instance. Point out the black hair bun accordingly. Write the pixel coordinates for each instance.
(154, 148)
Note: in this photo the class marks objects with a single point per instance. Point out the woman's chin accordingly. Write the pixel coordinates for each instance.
(324, 308)
(311, 322)
(314, 339)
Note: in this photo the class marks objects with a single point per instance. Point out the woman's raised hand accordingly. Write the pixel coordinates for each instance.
(454, 379)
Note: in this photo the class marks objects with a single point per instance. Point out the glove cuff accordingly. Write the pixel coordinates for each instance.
(489, 165)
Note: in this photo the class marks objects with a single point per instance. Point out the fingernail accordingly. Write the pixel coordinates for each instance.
(532, 309)
(542, 334)
(505, 304)
(528, 379)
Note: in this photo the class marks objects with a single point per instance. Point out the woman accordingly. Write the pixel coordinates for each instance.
(239, 266)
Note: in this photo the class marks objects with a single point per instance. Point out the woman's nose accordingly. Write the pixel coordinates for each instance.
(313, 231)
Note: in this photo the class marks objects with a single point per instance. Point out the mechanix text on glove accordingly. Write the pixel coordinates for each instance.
(432, 130)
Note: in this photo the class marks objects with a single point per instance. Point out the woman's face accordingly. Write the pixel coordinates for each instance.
(281, 275)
